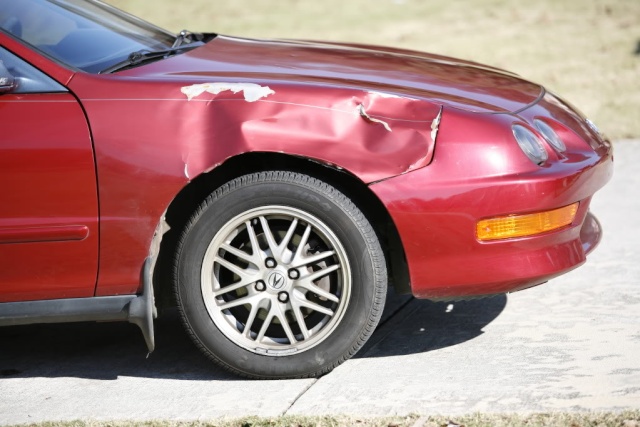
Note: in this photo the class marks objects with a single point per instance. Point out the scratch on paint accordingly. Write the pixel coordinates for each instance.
(415, 164)
(251, 91)
(368, 118)
(434, 126)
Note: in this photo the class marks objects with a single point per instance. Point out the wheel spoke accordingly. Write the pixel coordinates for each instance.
(310, 286)
(265, 326)
(313, 259)
(287, 329)
(271, 241)
(253, 239)
(300, 319)
(316, 307)
(236, 302)
(287, 238)
(250, 320)
(231, 267)
(238, 253)
(231, 288)
(320, 273)
(303, 242)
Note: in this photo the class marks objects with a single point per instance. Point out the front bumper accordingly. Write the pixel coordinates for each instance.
(436, 209)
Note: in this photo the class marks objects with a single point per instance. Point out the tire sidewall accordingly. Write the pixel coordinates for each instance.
(339, 215)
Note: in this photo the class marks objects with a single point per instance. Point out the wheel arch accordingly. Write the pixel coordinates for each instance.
(191, 196)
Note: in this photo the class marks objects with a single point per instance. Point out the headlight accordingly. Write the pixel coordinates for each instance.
(550, 135)
(595, 143)
(530, 144)
(593, 127)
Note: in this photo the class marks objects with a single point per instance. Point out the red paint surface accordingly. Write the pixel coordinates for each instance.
(43, 234)
(47, 190)
(443, 80)
(150, 141)
(483, 174)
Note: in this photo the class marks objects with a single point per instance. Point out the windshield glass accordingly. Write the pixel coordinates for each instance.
(84, 34)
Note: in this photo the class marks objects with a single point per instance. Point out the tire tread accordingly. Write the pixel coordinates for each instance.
(377, 257)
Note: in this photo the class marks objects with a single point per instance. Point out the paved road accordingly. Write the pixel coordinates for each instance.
(571, 344)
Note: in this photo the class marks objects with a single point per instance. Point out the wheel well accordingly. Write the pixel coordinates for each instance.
(191, 196)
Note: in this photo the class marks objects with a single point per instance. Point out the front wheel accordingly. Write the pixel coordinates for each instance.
(279, 275)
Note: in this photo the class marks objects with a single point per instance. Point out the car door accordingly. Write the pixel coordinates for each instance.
(48, 195)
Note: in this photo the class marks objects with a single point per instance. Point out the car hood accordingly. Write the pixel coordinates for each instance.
(442, 80)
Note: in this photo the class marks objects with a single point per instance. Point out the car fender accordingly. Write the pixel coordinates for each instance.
(153, 137)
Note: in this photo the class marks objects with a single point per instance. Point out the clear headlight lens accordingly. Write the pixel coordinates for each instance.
(550, 135)
(530, 144)
(593, 127)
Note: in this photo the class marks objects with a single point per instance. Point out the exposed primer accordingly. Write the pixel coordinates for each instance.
(251, 91)
(186, 171)
(368, 118)
(434, 126)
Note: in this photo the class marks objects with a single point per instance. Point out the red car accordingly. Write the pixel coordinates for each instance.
(271, 188)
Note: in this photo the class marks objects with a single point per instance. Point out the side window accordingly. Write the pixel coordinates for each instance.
(28, 78)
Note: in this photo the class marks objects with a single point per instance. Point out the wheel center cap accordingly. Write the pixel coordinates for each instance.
(276, 280)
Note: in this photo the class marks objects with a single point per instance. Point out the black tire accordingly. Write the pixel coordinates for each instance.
(339, 310)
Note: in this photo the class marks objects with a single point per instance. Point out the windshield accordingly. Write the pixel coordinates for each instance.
(83, 34)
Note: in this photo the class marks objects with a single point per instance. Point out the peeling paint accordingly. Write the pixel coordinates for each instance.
(251, 91)
(387, 95)
(392, 136)
(434, 126)
(368, 118)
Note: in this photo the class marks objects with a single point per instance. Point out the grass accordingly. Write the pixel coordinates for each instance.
(582, 50)
(608, 419)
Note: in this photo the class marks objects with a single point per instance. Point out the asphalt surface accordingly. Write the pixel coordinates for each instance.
(571, 344)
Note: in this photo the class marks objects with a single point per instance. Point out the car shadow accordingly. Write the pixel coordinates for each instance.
(110, 350)
(103, 351)
(421, 326)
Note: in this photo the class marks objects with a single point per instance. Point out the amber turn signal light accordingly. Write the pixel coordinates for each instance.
(507, 227)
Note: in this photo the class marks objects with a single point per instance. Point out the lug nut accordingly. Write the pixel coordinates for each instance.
(294, 274)
(260, 286)
(283, 297)
(270, 262)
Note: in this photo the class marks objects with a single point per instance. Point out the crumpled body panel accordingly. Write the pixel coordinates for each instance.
(372, 135)
(152, 138)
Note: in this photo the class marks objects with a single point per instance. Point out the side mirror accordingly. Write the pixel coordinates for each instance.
(7, 81)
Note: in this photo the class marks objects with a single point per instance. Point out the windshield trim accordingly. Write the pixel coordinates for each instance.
(107, 9)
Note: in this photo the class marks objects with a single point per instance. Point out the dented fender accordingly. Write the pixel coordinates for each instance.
(170, 132)
(373, 135)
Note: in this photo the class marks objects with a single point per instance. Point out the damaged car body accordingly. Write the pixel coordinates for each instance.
(271, 188)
